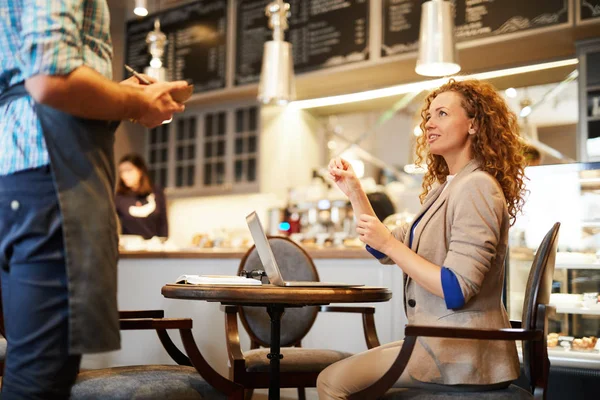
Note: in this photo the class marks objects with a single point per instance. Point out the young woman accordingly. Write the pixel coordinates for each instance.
(141, 207)
(453, 253)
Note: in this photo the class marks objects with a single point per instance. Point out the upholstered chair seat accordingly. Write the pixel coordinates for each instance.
(512, 392)
(192, 377)
(147, 382)
(295, 359)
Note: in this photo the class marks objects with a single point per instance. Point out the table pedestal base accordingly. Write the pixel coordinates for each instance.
(275, 312)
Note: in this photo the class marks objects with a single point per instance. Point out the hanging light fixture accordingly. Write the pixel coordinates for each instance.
(437, 53)
(277, 84)
(141, 8)
(156, 41)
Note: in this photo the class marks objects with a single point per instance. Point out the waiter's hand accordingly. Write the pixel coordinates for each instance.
(135, 82)
(160, 105)
(371, 231)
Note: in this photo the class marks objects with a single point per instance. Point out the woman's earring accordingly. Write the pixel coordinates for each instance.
(471, 131)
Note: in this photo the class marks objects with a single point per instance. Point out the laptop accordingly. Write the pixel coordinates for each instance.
(267, 258)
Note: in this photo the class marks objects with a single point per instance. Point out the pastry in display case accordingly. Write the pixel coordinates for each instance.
(569, 194)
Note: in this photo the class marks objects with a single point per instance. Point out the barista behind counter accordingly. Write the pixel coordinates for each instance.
(141, 206)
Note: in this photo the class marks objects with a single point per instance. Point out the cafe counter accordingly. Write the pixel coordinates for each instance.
(238, 253)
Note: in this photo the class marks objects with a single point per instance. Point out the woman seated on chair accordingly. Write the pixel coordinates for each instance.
(453, 253)
(141, 206)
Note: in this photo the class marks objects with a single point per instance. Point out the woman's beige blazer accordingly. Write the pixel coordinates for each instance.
(464, 228)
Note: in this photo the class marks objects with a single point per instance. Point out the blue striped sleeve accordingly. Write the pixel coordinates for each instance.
(452, 292)
(376, 253)
(51, 33)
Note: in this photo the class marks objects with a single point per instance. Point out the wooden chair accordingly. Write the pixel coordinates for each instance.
(192, 378)
(182, 381)
(299, 366)
(532, 331)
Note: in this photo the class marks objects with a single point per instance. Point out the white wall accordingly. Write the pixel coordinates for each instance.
(390, 141)
(210, 214)
(290, 149)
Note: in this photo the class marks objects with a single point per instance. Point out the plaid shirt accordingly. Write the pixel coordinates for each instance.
(50, 37)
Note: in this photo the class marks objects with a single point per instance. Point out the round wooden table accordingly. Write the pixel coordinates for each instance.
(276, 299)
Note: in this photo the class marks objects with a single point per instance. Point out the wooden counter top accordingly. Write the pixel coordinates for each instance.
(316, 253)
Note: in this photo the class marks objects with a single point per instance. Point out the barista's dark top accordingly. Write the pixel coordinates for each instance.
(144, 215)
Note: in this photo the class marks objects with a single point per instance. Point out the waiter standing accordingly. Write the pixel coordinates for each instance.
(58, 242)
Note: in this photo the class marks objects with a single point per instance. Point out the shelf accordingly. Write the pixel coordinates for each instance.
(560, 357)
(591, 223)
(593, 119)
(578, 310)
(576, 266)
(593, 88)
(572, 358)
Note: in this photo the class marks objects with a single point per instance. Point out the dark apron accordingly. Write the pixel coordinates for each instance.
(82, 161)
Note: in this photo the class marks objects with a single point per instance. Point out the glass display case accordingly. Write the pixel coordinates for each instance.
(569, 194)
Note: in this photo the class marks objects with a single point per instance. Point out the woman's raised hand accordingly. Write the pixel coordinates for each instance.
(373, 232)
(343, 175)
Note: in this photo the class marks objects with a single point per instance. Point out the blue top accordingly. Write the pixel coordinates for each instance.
(48, 37)
(452, 292)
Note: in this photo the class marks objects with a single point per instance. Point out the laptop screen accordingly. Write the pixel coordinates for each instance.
(265, 253)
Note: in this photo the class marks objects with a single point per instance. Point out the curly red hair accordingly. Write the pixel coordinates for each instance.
(497, 145)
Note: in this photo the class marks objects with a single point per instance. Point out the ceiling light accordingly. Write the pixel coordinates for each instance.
(369, 94)
(358, 166)
(414, 169)
(424, 85)
(522, 70)
(155, 63)
(511, 93)
(593, 147)
(141, 8)
(437, 52)
(417, 131)
(277, 84)
(525, 111)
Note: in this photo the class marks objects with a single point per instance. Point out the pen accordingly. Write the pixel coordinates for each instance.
(140, 77)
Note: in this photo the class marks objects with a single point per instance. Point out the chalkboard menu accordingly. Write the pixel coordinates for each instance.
(474, 19)
(323, 33)
(196, 51)
(589, 9)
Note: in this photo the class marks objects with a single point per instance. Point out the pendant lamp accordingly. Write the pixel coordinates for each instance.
(140, 8)
(437, 52)
(277, 83)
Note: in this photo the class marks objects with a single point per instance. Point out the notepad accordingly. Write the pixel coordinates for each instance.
(182, 95)
(227, 280)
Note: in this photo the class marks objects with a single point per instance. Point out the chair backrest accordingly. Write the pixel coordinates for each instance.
(539, 286)
(295, 265)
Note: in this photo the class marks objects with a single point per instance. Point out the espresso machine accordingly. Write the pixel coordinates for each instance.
(314, 222)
